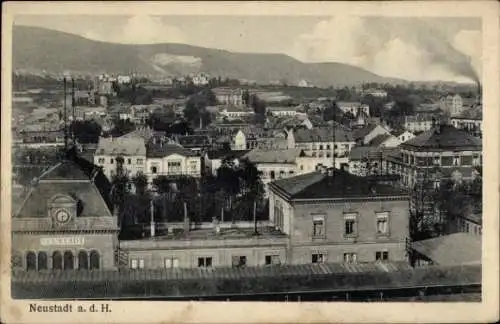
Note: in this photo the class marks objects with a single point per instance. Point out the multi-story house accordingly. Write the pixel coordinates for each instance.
(284, 111)
(418, 123)
(196, 143)
(375, 93)
(454, 152)
(274, 164)
(131, 150)
(453, 104)
(470, 120)
(236, 113)
(229, 96)
(171, 160)
(124, 79)
(364, 135)
(354, 108)
(403, 135)
(246, 138)
(333, 141)
(65, 223)
(200, 79)
(334, 216)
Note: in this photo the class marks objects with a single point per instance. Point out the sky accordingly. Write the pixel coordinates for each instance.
(447, 49)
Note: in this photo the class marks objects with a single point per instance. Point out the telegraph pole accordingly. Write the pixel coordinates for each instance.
(65, 116)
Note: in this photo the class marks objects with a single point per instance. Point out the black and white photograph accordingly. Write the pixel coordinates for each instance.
(328, 157)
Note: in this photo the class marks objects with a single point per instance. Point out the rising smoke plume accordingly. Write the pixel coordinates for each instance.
(442, 52)
(407, 48)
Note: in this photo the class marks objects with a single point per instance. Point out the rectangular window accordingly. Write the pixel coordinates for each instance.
(350, 257)
(318, 225)
(382, 223)
(154, 169)
(205, 262)
(171, 263)
(133, 264)
(175, 164)
(129, 161)
(111, 161)
(140, 161)
(141, 263)
(381, 256)
(239, 261)
(318, 258)
(466, 160)
(350, 224)
(101, 160)
(272, 259)
(447, 161)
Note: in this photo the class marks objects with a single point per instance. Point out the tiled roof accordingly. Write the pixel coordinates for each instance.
(273, 156)
(190, 140)
(121, 146)
(81, 188)
(444, 136)
(453, 249)
(318, 185)
(161, 150)
(359, 152)
(380, 139)
(362, 132)
(398, 132)
(323, 134)
(472, 113)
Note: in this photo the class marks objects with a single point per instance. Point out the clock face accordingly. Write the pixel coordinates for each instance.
(62, 216)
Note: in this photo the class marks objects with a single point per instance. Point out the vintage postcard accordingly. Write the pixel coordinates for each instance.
(246, 162)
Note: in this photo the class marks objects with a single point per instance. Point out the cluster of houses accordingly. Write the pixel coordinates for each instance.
(306, 164)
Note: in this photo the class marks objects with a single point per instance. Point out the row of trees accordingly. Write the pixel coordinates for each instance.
(439, 207)
(230, 195)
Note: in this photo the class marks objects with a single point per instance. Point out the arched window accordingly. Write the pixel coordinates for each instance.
(30, 261)
(83, 260)
(42, 261)
(68, 260)
(57, 260)
(94, 260)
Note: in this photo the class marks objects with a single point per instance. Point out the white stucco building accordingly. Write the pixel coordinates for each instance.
(132, 150)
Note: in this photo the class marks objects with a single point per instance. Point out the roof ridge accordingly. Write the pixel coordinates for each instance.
(50, 170)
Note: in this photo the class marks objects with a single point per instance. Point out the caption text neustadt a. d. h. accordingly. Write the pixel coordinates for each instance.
(69, 308)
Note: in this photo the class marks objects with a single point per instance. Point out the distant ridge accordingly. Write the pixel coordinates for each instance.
(37, 49)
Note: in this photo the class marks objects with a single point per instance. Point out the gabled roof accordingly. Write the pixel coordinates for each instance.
(399, 132)
(362, 132)
(380, 139)
(323, 134)
(453, 249)
(193, 140)
(341, 184)
(444, 137)
(273, 156)
(360, 152)
(161, 150)
(121, 146)
(66, 178)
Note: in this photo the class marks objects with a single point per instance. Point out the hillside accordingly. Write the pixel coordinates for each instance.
(38, 49)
